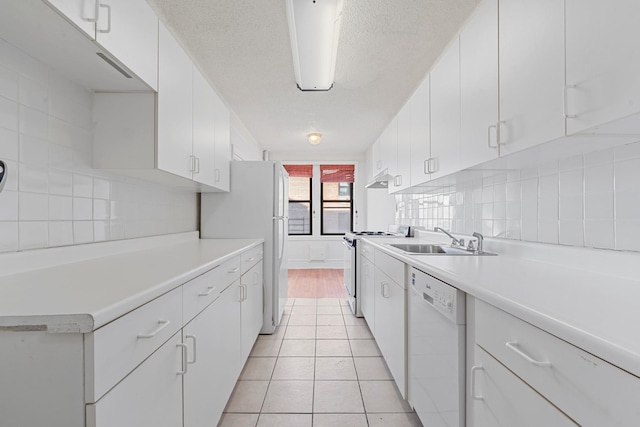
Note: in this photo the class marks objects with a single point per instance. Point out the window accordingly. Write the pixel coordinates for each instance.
(336, 193)
(300, 199)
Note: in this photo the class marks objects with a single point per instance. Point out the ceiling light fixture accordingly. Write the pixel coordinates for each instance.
(314, 28)
(314, 138)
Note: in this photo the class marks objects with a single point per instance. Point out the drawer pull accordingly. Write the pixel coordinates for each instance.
(184, 359)
(250, 259)
(513, 346)
(475, 369)
(195, 351)
(234, 270)
(210, 289)
(161, 325)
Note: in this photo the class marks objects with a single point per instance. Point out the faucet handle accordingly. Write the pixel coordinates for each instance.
(470, 246)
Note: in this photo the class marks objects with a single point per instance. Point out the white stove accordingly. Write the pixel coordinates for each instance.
(352, 260)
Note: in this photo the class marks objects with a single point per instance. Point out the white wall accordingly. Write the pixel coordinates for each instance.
(53, 196)
(304, 249)
(590, 200)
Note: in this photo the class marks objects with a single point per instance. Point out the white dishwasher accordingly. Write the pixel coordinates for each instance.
(436, 351)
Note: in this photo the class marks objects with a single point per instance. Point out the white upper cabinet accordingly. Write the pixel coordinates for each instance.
(175, 107)
(222, 129)
(204, 111)
(83, 13)
(126, 29)
(389, 148)
(603, 63)
(402, 177)
(421, 134)
(378, 161)
(479, 86)
(531, 73)
(445, 112)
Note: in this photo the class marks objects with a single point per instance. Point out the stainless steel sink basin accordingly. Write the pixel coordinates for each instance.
(428, 249)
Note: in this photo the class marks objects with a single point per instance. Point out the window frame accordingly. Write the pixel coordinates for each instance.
(310, 201)
(322, 202)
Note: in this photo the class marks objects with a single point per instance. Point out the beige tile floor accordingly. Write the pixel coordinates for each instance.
(321, 368)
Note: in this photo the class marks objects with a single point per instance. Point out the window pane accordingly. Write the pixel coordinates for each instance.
(336, 217)
(336, 191)
(299, 218)
(299, 188)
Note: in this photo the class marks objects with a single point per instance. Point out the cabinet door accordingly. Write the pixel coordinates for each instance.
(504, 400)
(403, 148)
(210, 380)
(603, 62)
(222, 145)
(204, 110)
(421, 134)
(82, 13)
(378, 161)
(251, 308)
(128, 29)
(150, 396)
(532, 74)
(175, 118)
(382, 314)
(445, 112)
(396, 355)
(366, 297)
(389, 148)
(479, 86)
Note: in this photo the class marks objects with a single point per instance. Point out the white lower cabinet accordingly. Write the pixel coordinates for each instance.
(251, 308)
(171, 362)
(527, 365)
(502, 399)
(384, 308)
(150, 396)
(214, 341)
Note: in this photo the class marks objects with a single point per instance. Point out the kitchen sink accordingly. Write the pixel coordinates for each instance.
(429, 249)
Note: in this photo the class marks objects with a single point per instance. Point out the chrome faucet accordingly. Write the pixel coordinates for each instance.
(480, 238)
(458, 242)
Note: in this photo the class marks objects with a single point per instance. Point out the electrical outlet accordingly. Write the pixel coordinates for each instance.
(3, 174)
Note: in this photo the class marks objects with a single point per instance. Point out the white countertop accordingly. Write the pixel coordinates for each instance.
(82, 296)
(594, 307)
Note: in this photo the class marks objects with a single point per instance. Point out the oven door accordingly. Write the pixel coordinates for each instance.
(350, 274)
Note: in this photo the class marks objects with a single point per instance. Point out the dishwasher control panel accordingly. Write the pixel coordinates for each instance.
(446, 299)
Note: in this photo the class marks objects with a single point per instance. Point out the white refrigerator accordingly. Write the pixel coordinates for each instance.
(256, 207)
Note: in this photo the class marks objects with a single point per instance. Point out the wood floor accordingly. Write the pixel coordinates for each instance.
(317, 283)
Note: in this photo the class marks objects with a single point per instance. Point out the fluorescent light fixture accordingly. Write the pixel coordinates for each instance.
(314, 138)
(314, 29)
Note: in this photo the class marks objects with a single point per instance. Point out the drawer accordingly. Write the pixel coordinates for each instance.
(587, 388)
(367, 251)
(114, 350)
(250, 257)
(201, 291)
(391, 267)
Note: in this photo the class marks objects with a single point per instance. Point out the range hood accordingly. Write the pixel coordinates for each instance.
(381, 180)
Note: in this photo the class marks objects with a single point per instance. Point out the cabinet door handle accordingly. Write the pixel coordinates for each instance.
(475, 369)
(209, 290)
(397, 180)
(250, 259)
(489, 136)
(184, 359)
(513, 346)
(234, 270)
(96, 11)
(161, 325)
(565, 108)
(195, 348)
(255, 278)
(385, 290)
(379, 164)
(108, 7)
(431, 165)
(197, 169)
(217, 175)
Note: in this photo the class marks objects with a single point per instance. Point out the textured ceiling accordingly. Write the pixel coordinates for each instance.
(385, 49)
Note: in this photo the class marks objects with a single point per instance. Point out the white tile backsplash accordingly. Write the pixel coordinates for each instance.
(53, 196)
(590, 200)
